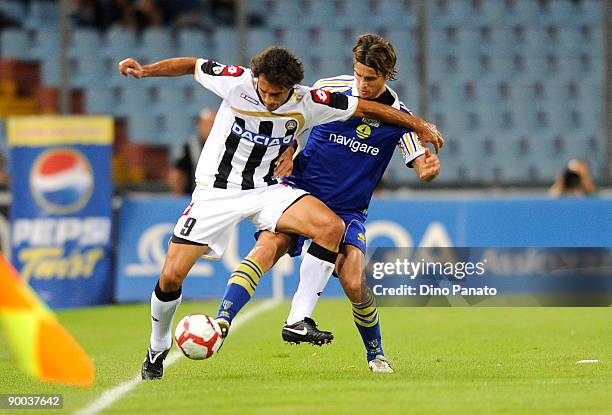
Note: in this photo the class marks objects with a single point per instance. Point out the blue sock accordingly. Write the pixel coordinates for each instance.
(240, 288)
(365, 315)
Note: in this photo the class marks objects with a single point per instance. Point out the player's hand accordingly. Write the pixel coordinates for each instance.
(428, 133)
(284, 164)
(131, 66)
(427, 166)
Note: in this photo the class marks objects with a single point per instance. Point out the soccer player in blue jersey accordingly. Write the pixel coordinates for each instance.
(341, 165)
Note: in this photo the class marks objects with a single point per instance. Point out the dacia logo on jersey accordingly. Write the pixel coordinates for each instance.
(256, 138)
(363, 131)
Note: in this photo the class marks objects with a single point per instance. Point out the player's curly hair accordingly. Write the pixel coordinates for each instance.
(374, 51)
(279, 66)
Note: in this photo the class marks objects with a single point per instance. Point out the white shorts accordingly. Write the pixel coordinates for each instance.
(213, 213)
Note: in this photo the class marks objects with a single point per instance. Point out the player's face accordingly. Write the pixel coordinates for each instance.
(370, 84)
(272, 96)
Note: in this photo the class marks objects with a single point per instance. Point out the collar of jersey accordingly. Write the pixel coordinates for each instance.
(396, 101)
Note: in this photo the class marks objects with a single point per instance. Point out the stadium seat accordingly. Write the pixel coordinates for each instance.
(14, 43)
(45, 44)
(226, 46)
(15, 9)
(330, 44)
(43, 15)
(295, 39)
(99, 100)
(178, 128)
(259, 39)
(194, 43)
(143, 128)
(84, 72)
(284, 14)
(85, 44)
(157, 44)
(120, 43)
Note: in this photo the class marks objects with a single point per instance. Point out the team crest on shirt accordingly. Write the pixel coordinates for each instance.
(363, 131)
(361, 237)
(291, 125)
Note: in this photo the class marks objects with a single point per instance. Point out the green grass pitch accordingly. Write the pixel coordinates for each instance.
(448, 361)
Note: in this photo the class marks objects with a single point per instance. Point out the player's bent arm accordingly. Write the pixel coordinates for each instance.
(166, 67)
(427, 132)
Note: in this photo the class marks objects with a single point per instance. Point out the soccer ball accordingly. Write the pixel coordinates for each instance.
(198, 336)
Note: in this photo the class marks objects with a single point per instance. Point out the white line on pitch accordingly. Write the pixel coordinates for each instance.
(111, 396)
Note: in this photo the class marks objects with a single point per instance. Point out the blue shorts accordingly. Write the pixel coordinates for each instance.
(354, 233)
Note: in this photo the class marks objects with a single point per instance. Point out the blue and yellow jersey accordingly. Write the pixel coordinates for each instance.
(343, 161)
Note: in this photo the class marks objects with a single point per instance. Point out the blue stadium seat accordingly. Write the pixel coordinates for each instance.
(527, 12)
(143, 128)
(259, 39)
(536, 41)
(14, 43)
(120, 44)
(99, 100)
(285, 14)
(330, 44)
(404, 42)
(194, 43)
(43, 14)
(15, 9)
(85, 72)
(178, 127)
(394, 13)
(226, 46)
(296, 40)
(85, 44)
(45, 44)
(157, 44)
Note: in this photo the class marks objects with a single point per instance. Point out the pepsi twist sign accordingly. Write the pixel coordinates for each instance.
(61, 206)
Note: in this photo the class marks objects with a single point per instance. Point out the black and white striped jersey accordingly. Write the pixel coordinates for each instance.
(246, 138)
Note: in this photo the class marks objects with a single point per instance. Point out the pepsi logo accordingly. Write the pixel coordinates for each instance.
(61, 181)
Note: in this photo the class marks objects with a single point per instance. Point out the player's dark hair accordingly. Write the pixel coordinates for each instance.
(374, 51)
(279, 66)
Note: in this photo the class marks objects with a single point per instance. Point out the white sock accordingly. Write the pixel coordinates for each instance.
(163, 312)
(314, 274)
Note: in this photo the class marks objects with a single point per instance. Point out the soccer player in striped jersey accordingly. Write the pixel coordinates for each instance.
(341, 164)
(263, 110)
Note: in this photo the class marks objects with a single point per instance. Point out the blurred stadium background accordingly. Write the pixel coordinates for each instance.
(518, 87)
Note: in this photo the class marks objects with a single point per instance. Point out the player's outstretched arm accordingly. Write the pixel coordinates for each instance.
(427, 132)
(166, 67)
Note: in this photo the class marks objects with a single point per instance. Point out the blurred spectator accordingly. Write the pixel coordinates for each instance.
(99, 14)
(575, 180)
(138, 14)
(182, 174)
(4, 178)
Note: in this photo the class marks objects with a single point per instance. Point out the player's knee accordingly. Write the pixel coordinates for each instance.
(331, 228)
(170, 280)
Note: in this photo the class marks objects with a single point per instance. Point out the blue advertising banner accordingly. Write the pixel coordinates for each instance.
(145, 225)
(61, 207)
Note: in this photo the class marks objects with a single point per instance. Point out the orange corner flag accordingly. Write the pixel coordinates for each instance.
(43, 348)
